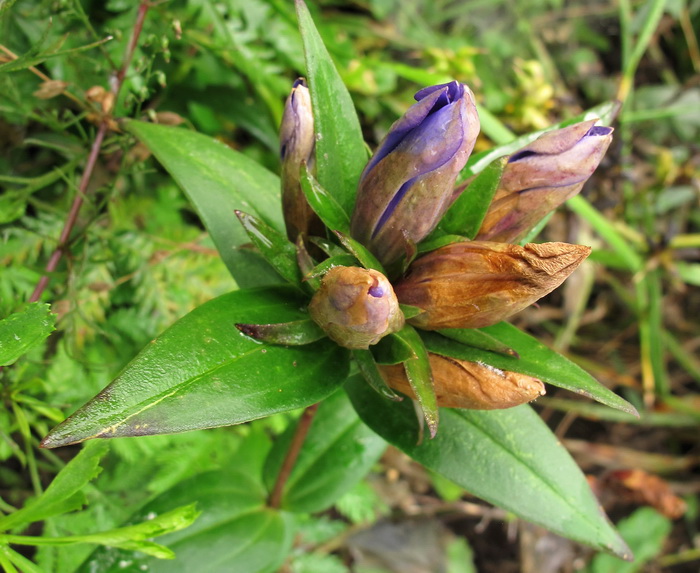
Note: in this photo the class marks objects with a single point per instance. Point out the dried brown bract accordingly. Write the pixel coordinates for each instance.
(470, 385)
(478, 283)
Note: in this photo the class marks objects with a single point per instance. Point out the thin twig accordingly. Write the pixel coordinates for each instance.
(115, 86)
(41, 75)
(72, 215)
(292, 454)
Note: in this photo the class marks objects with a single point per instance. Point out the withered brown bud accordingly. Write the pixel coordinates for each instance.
(470, 385)
(478, 283)
(99, 95)
(356, 307)
(50, 88)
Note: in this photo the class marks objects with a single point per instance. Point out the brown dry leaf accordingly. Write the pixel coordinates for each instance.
(169, 118)
(479, 283)
(102, 97)
(95, 93)
(638, 486)
(50, 88)
(470, 385)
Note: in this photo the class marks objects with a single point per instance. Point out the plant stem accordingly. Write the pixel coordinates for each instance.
(72, 214)
(5, 562)
(115, 85)
(292, 454)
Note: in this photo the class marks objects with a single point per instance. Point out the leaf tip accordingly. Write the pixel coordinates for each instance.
(52, 441)
(620, 549)
(630, 409)
(247, 329)
(432, 428)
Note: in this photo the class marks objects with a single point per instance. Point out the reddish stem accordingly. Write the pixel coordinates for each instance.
(116, 84)
(72, 215)
(292, 454)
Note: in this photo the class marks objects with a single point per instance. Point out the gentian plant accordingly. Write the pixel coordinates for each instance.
(379, 290)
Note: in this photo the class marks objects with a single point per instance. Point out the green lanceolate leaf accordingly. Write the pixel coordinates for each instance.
(331, 249)
(360, 252)
(274, 247)
(420, 376)
(465, 215)
(202, 373)
(218, 180)
(340, 149)
(393, 349)
(508, 457)
(295, 333)
(64, 493)
(410, 311)
(322, 268)
(435, 241)
(138, 537)
(646, 531)
(536, 360)
(234, 529)
(479, 161)
(478, 339)
(369, 370)
(22, 331)
(324, 204)
(133, 537)
(338, 452)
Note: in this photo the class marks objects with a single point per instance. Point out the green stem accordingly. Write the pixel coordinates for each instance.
(678, 558)
(603, 227)
(36, 541)
(5, 563)
(632, 52)
(685, 241)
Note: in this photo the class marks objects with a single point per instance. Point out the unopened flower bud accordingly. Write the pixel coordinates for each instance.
(297, 147)
(541, 176)
(408, 184)
(470, 385)
(478, 283)
(356, 307)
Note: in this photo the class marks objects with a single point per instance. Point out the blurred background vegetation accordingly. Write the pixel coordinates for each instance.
(139, 258)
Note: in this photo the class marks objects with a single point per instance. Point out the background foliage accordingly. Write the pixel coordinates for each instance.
(139, 259)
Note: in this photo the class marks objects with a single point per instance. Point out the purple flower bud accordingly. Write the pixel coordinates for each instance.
(408, 184)
(297, 147)
(541, 176)
(356, 307)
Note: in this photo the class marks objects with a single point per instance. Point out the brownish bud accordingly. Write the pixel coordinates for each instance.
(541, 176)
(297, 143)
(102, 97)
(356, 307)
(470, 385)
(478, 283)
